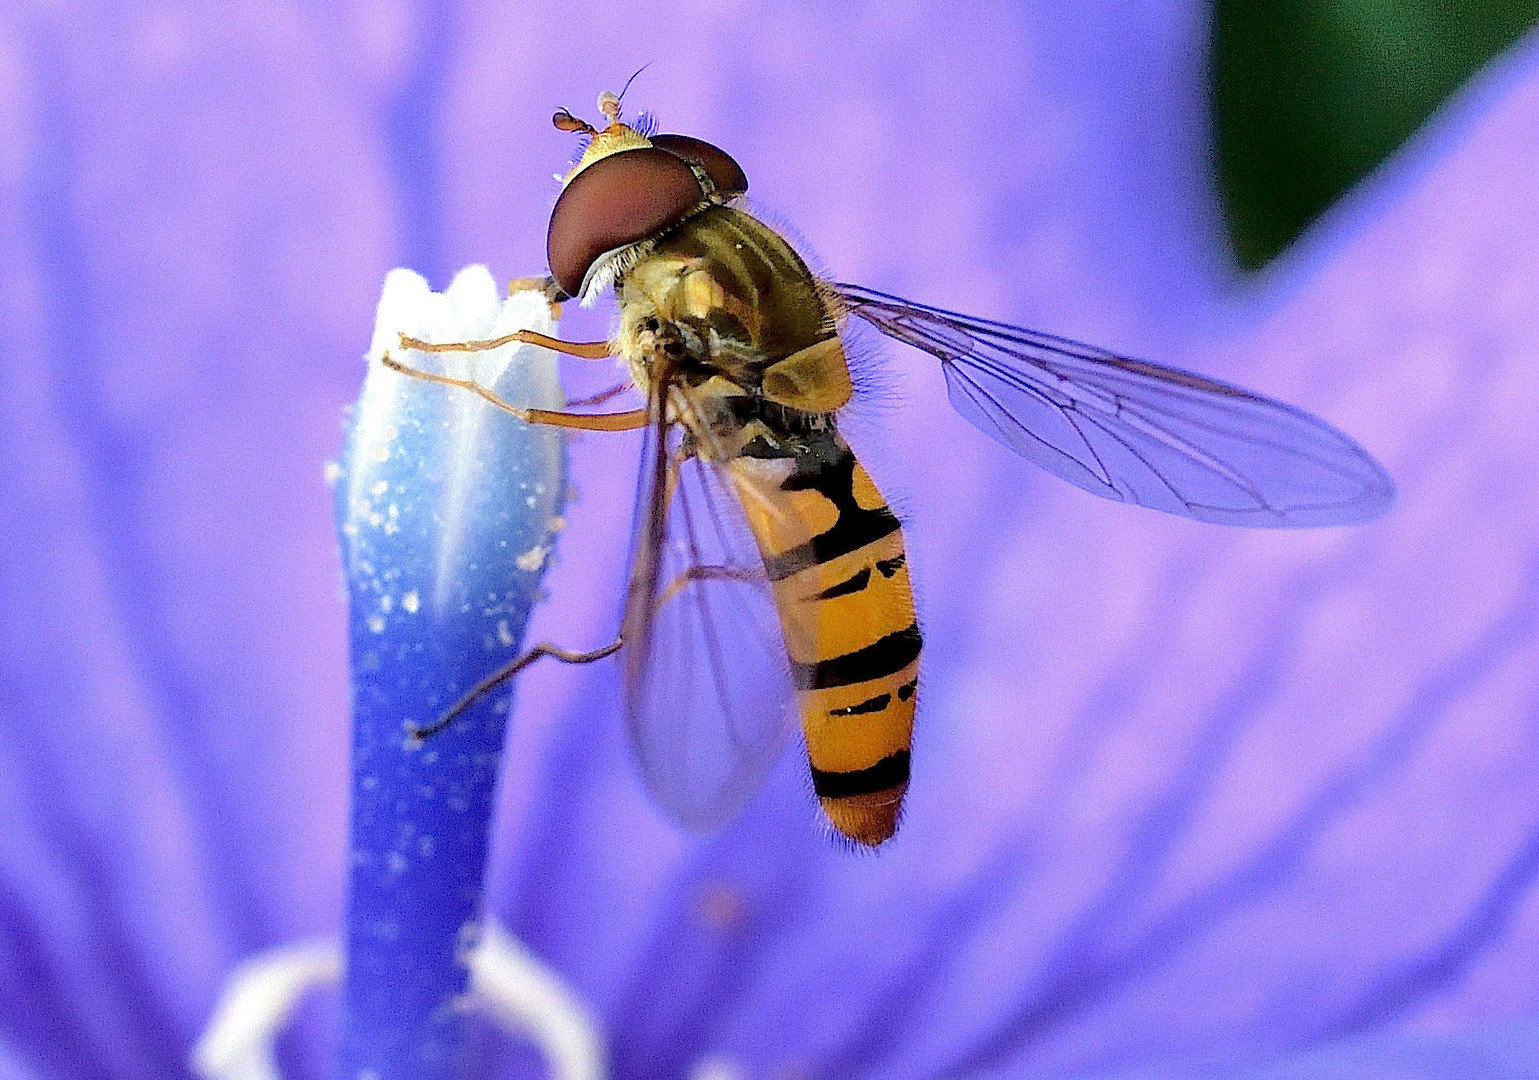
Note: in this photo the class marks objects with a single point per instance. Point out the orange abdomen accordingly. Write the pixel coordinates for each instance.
(834, 554)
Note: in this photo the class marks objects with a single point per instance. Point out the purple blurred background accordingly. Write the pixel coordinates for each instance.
(1185, 799)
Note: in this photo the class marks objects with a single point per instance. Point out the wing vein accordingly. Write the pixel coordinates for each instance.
(1111, 424)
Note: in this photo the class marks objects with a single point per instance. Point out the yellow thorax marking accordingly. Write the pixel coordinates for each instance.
(815, 379)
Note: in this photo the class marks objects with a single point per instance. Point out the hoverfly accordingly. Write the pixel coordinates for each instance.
(766, 566)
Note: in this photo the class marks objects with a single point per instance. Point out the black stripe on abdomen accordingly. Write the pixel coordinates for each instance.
(891, 771)
(884, 657)
(854, 530)
(870, 705)
(850, 585)
(856, 527)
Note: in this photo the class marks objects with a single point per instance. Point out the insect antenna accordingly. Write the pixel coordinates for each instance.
(609, 102)
(632, 79)
(565, 121)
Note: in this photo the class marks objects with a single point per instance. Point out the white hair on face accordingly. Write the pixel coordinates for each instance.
(610, 266)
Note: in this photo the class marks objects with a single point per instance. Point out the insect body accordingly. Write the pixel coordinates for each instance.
(723, 312)
(766, 565)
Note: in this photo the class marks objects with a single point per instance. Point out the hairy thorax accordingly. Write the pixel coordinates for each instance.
(725, 311)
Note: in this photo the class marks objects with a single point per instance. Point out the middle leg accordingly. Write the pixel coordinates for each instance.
(620, 421)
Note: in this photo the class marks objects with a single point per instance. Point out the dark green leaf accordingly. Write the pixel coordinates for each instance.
(1310, 95)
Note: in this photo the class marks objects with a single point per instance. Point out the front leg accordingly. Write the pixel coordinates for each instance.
(587, 350)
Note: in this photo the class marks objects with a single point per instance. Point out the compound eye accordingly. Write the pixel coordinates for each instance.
(725, 173)
(618, 200)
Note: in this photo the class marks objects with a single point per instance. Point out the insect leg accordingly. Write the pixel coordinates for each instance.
(708, 573)
(629, 420)
(588, 350)
(506, 672)
(621, 421)
(603, 395)
(547, 285)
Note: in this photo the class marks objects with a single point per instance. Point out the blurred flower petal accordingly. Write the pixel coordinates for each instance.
(1179, 793)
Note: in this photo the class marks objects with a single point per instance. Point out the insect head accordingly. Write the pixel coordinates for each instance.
(626, 189)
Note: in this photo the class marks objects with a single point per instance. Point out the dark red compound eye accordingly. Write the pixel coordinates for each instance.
(726, 174)
(631, 196)
(616, 201)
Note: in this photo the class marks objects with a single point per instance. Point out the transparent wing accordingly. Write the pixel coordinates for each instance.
(707, 683)
(1137, 432)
